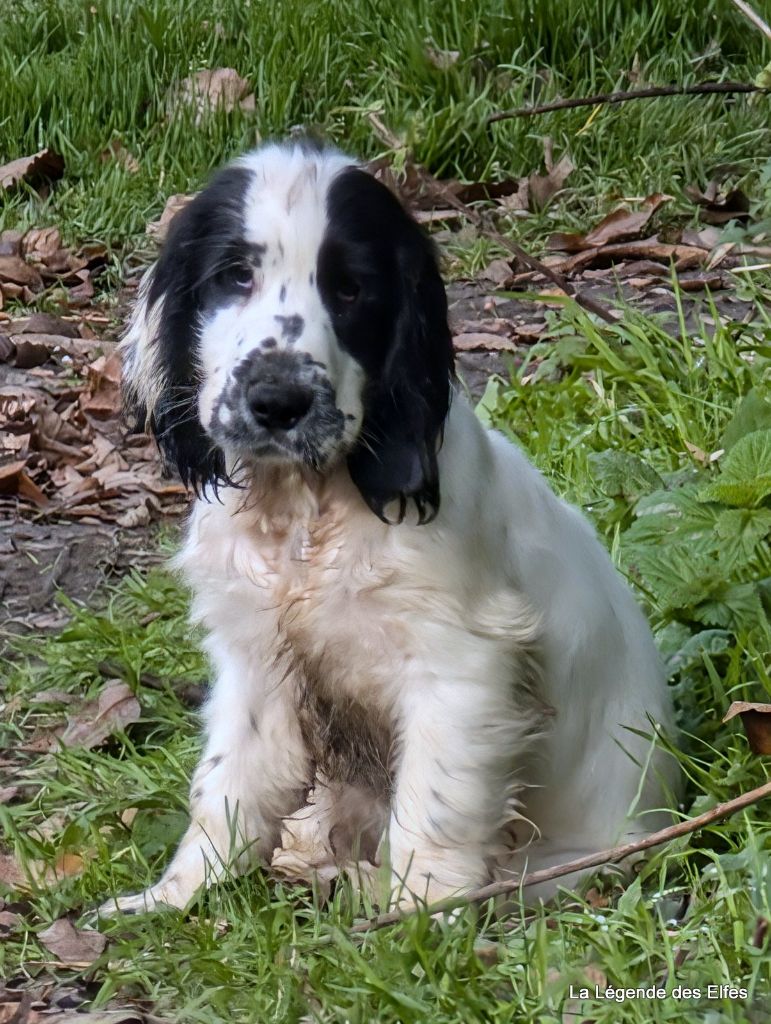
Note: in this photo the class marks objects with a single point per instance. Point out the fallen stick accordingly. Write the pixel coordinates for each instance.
(594, 860)
(476, 218)
(754, 17)
(704, 88)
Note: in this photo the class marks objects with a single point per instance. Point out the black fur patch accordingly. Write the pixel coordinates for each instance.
(379, 279)
(204, 246)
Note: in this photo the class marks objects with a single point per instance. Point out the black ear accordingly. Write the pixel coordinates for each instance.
(406, 403)
(161, 381)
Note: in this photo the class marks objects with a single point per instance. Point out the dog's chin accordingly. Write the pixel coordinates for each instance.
(258, 449)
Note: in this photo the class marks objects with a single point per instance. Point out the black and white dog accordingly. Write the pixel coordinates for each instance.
(415, 643)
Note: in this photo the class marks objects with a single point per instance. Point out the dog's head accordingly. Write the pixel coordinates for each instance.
(296, 314)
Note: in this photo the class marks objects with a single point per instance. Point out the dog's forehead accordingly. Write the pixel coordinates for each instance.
(285, 207)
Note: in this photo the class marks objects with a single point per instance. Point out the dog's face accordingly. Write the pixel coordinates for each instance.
(296, 315)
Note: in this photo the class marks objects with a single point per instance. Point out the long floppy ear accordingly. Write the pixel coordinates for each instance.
(406, 405)
(160, 347)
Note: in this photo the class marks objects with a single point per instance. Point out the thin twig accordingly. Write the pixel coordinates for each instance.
(624, 97)
(754, 17)
(442, 192)
(478, 220)
(594, 860)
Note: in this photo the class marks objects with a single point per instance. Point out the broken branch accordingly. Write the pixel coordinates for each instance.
(594, 860)
(754, 17)
(703, 88)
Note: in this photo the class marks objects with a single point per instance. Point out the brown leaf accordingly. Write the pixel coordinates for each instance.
(209, 91)
(10, 243)
(717, 207)
(486, 342)
(9, 476)
(114, 709)
(174, 204)
(684, 256)
(83, 292)
(756, 719)
(619, 225)
(442, 59)
(118, 153)
(543, 187)
(496, 272)
(14, 270)
(44, 165)
(75, 947)
(44, 323)
(27, 488)
(41, 243)
(12, 874)
(8, 793)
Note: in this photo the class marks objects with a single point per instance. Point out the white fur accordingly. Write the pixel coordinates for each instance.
(498, 641)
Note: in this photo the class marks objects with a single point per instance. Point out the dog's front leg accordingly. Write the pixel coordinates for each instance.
(459, 741)
(254, 771)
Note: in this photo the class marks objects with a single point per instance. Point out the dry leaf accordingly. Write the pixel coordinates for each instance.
(496, 272)
(10, 243)
(14, 270)
(209, 91)
(620, 225)
(487, 342)
(543, 187)
(41, 243)
(44, 165)
(442, 59)
(75, 947)
(717, 207)
(114, 709)
(118, 153)
(174, 204)
(756, 719)
(9, 476)
(684, 257)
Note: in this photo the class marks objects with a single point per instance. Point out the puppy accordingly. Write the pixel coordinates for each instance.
(419, 651)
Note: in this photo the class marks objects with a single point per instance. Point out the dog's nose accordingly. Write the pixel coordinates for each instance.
(278, 406)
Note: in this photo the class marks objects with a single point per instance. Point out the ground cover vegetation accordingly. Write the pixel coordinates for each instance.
(658, 425)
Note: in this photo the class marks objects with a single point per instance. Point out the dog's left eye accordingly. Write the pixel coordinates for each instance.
(347, 291)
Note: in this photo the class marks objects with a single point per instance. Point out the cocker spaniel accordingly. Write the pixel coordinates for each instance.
(420, 654)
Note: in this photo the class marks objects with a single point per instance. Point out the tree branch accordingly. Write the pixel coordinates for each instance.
(594, 860)
(754, 17)
(624, 97)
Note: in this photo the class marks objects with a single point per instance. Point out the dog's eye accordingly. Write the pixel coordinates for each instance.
(346, 291)
(237, 277)
(242, 277)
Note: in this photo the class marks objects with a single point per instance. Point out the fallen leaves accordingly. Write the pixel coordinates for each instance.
(63, 446)
(92, 722)
(43, 166)
(619, 226)
(717, 206)
(756, 719)
(209, 91)
(37, 262)
(73, 947)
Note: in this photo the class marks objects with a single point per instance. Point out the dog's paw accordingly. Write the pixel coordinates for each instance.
(157, 897)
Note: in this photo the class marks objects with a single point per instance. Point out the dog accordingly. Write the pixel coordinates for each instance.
(422, 657)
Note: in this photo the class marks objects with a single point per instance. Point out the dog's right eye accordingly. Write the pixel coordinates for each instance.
(241, 277)
(235, 277)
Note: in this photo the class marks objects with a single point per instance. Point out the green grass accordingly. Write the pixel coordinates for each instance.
(76, 75)
(606, 412)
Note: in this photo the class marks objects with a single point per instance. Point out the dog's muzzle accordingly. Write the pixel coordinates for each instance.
(279, 405)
